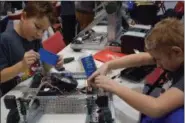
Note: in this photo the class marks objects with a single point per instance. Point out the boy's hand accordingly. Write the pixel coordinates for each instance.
(30, 57)
(101, 71)
(104, 82)
(60, 62)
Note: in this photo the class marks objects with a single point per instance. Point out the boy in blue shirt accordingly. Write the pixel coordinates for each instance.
(19, 46)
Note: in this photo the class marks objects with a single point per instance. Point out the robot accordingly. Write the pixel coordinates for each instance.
(55, 85)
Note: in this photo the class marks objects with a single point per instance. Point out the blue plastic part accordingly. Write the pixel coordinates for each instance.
(130, 5)
(88, 65)
(48, 57)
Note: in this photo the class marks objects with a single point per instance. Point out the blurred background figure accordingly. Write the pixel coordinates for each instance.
(68, 20)
(84, 12)
(145, 12)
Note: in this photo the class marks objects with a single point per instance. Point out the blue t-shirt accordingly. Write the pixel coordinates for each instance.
(12, 49)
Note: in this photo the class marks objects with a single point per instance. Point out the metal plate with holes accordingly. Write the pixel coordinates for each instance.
(68, 103)
(62, 104)
(74, 103)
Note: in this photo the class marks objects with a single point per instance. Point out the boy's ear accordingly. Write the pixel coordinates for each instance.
(23, 16)
(177, 51)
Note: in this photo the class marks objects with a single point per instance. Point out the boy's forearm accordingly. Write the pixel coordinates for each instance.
(11, 72)
(143, 103)
(132, 60)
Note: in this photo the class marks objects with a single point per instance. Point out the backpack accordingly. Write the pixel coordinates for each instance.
(176, 116)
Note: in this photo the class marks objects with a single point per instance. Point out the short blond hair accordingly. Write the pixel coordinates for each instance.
(168, 32)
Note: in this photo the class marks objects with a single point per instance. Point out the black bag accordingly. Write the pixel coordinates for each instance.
(145, 14)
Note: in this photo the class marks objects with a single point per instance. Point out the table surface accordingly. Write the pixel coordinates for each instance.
(124, 112)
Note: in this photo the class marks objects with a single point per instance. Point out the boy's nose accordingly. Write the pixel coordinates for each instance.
(39, 34)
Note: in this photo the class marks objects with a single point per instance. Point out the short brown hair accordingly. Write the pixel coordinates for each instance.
(168, 32)
(40, 9)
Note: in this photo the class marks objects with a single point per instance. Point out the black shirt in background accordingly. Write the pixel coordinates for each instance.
(12, 49)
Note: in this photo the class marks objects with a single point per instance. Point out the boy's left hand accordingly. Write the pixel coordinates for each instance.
(104, 82)
(60, 62)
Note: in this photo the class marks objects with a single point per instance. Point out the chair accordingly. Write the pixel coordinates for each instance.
(152, 77)
(55, 43)
(15, 17)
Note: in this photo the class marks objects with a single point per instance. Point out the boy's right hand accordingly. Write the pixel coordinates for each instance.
(30, 57)
(103, 70)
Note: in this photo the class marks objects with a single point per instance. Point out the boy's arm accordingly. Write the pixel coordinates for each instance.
(132, 60)
(150, 106)
(11, 72)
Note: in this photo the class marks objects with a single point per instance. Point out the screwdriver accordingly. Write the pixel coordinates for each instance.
(68, 60)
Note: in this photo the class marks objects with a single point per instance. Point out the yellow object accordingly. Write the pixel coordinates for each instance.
(25, 75)
(144, 2)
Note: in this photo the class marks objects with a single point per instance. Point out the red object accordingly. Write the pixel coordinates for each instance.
(57, 26)
(152, 77)
(33, 68)
(179, 7)
(55, 43)
(15, 16)
(107, 55)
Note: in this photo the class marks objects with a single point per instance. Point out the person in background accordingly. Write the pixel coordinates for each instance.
(126, 14)
(145, 12)
(176, 12)
(165, 47)
(19, 46)
(84, 12)
(68, 20)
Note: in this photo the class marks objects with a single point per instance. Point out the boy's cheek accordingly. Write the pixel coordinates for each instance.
(31, 32)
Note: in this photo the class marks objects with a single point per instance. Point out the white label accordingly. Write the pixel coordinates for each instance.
(137, 34)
